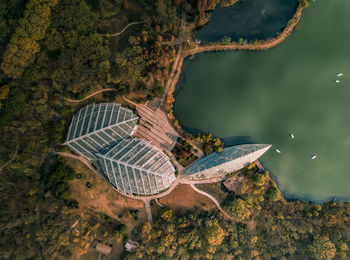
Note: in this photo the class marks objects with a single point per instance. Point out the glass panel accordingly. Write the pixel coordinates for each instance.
(108, 116)
(132, 180)
(125, 128)
(121, 115)
(115, 114)
(131, 124)
(166, 182)
(125, 178)
(153, 162)
(112, 133)
(117, 148)
(128, 115)
(146, 183)
(126, 150)
(103, 166)
(79, 149)
(153, 184)
(119, 131)
(150, 154)
(169, 171)
(74, 148)
(93, 119)
(92, 143)
(97, 139)
(159, 183)
(139, 181)
(139, 155)
(136, 148)
(105, 137)
(110, 172)
(87, 119)
(118, 177)
(100, 116)
(80, 122)
(85, 146)
(74, 121)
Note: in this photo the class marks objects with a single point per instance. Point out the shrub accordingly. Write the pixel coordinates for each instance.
(157, 90)
(208, 148)
(119, 231)
(57, 180)
(226, 40)
(273, 193)
(304, 3)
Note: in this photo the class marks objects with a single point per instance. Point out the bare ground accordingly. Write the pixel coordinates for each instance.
(184, 198)
(101, 197)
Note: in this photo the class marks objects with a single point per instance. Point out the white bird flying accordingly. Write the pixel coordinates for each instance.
(314, 157)
(339, 74)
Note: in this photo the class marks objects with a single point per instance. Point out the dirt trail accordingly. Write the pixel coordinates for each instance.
(213, 199)
(89, 96)
(126, 27)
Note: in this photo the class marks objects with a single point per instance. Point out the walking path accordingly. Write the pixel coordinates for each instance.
(159, 204)
(148, 211)
(213, 199)
(124, 29)
(89, 96)
(174, 71)
(77, 157)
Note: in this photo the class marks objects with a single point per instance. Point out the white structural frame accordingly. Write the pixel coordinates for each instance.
(99, 136)
(229, 166)
(148, 173)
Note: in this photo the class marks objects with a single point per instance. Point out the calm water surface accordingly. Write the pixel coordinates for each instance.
(262, 97)
(249, 19)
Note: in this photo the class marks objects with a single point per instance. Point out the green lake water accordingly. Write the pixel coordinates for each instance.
(248, 19)
(262, 97)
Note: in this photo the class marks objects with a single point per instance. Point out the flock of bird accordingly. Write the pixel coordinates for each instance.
(338, 75)
(314, 156)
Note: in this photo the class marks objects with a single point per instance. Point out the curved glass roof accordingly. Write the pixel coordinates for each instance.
(227, 155)
(134, 166)
(98, 125)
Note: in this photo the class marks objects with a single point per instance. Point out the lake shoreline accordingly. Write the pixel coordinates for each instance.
(255, 46)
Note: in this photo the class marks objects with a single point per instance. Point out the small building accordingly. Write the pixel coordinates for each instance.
(131, 245)
(103, 249)
(197, 41)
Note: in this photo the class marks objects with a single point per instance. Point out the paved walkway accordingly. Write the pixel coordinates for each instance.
(148, 211)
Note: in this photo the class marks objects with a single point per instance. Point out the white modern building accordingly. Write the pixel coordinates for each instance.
(136, 167)
(97, 126)
(231, 159)
(103, 134)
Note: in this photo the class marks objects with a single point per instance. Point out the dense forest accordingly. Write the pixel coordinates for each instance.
(56, 49)
(265, 226)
